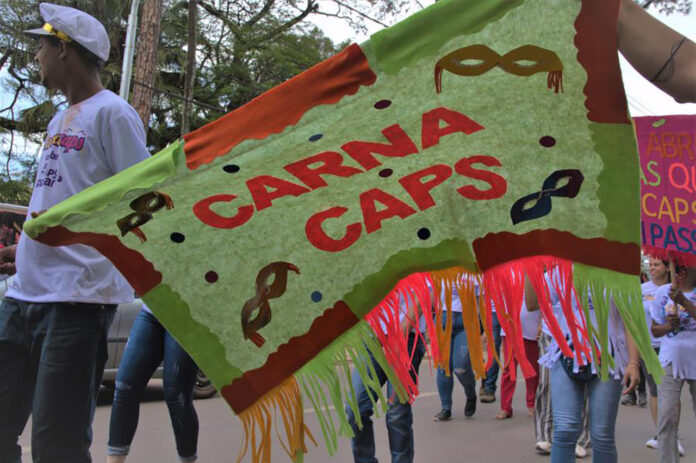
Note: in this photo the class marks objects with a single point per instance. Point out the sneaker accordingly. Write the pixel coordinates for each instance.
(642, 400)
(652, 443)
(628, 399)
(543, 447)
(580, 451)
(443, 415)
(470, 407)
(681, 449)
(487, 396)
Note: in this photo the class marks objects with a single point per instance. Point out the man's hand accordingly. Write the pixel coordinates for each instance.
(631, 377)
(7, 260)
(673, 321)
(677, 295)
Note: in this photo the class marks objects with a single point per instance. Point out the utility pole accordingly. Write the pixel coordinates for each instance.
(127, 69)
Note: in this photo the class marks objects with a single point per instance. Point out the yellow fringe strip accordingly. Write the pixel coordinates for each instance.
(465, 283)
(287, 399)
(443, 336)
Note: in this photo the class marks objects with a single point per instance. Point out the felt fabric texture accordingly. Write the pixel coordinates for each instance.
(272, 241)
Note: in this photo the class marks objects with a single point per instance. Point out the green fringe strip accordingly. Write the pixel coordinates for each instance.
(330, 371)
(625, 292)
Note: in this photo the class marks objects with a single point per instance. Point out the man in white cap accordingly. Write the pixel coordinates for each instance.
(56, 314)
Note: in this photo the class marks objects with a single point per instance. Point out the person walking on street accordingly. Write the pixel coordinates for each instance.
(531, 329)
(459, 362)
(149, 344)
(674, 320)
(57, 311)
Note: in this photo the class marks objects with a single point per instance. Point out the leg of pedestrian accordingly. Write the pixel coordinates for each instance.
(531, 349)
(70, 363)
(461, 365)
(507, 385)
(566, 404)
(144, 352)
(668, 395)
(17, 386)
(543, 418)
(400, 415)
(604, 399)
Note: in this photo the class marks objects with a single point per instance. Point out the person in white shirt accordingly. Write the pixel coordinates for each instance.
(56, 314)
(399, 416)
(569, 384)
(531, 329)
(659, 276)
(674, 321)
(459, 361)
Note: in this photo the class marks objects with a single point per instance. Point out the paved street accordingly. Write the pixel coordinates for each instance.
(481, 439)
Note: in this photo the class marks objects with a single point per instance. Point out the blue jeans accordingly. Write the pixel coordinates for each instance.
(490, 383)
(148, 345)
(567, 397)
(52, 358)
(399, 415)
(459, 364)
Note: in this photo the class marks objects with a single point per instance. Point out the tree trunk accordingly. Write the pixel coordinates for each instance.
(146, 58)
(190, 77)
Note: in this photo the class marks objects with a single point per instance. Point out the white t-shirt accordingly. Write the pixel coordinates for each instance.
(649, 290)
(616, 330)
(678, 349)
(529, 321)
(85, 144)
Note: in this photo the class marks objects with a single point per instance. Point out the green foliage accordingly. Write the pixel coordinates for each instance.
(16, 192)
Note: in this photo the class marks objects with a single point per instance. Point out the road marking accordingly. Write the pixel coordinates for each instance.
(331, 407)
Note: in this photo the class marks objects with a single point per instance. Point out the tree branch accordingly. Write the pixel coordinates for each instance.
(234, 28)
(360, 13)
(310, 8)
(263, 12)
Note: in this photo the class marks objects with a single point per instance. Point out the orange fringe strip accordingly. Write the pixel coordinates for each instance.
(287, 399)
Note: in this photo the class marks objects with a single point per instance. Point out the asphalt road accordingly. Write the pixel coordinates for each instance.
(481, 439)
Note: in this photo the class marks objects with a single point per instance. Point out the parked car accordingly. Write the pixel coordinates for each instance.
(118, 336)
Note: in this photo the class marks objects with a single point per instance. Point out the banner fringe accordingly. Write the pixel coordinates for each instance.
(326, 380)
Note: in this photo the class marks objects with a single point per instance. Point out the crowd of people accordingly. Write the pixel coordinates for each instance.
(55, 316)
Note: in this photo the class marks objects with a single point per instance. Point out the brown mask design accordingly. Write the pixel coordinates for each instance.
(542, 60)
(264, 292)
(144, 206)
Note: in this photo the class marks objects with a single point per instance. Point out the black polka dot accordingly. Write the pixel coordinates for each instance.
(211, 277)
(316, 137)
(547, 141)
(177, 237)
(383, 104)
(231, 168)
(317, 296)
(423, 233)
(384, 173)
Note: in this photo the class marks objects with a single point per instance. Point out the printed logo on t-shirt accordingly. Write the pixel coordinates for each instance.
(686, 321)
(54, 147)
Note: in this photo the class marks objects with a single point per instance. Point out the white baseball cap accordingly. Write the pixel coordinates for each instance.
(69, 24)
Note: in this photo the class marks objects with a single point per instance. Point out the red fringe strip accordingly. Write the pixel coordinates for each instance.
(385, 322)
(502, 287)
(688, 260)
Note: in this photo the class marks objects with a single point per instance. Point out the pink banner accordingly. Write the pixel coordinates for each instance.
(667, 146)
